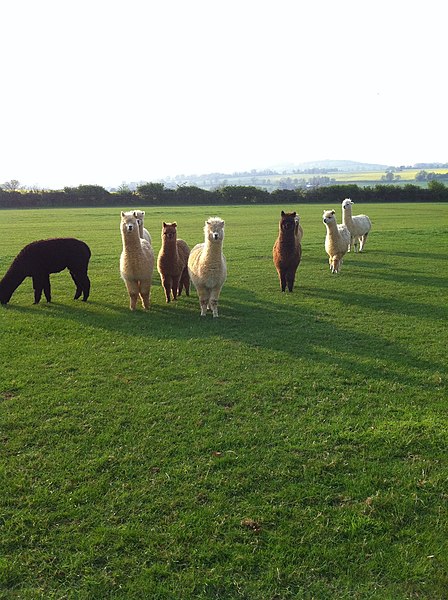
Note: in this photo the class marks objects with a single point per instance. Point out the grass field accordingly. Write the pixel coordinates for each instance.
(296, 447)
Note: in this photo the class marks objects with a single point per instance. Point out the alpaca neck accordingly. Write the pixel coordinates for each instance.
(332, 228)
(12, 279)
(213, 249)
(169, 246)
(286, 238)
(347, 216)
(131, 241)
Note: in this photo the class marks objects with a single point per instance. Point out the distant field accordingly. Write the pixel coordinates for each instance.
(293, 448)
(271, 182)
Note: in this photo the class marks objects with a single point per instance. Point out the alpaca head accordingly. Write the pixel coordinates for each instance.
(128, 222)
(214, 229)
(169, 231)
(328, 216)
(287, 221)
(347, 203)
(139, 215)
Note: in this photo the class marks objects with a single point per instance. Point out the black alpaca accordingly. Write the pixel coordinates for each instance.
(39, 259)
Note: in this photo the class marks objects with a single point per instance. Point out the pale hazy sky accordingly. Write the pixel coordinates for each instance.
(106, 91)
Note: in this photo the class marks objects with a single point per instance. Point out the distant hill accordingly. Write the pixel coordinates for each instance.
(340, 165)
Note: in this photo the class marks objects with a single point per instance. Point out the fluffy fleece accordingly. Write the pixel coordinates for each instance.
(136, 262)
(207, 266)
(287, 250)
(40, 258)
(337, 240)
(172, 263)
(359, 226)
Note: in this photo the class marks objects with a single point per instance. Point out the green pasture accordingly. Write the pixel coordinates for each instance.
(295, 447)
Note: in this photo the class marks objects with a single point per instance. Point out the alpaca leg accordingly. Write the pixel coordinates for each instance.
(37, 287)
(85, 288)
(282, 278)
(145, 294)
(336, 263)
(166, 283)
(204, 305)
(184, 282)
(204, 297)
(175, 286)
(47, 288)
(41, 283)
(290, 278)
(213, 302)
(363, 241)
(77, 280)
(132, 287)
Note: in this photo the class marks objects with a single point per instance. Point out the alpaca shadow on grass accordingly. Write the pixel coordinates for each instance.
(286, 326)
(400, 307)
(440, 256)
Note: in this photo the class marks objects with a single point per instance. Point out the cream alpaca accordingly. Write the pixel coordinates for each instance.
(207, 266)
(337, 240)
(136, 262)
(140, 216)
(359, 226)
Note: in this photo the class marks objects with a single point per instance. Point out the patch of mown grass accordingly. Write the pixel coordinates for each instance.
(294, 447)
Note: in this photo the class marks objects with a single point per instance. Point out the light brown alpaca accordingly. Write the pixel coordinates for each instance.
(136, 262)
(172, 263)
(287, 250)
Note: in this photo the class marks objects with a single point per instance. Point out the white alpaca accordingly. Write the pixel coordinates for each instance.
(140, 216)
(207, 266)
(298, 230)
(359, 226)
(337, 240)
(136, 262)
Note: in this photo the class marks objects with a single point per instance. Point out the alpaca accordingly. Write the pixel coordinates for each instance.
(337, 240)
(38, 259)
(144, 233)
(298, 228)
(140, 216)
(136, 262)
(287, 250)
(359, 226)
(207, 266)
(172, 263)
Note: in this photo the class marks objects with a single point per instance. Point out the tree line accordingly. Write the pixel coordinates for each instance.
(156, 194)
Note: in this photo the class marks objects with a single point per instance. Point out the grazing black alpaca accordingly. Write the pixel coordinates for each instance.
(39, 259)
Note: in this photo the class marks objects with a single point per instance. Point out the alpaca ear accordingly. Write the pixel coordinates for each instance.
(122, 213)
(283, 213)
(174, 224)
(135, 213)
(294, 214)
(164, 224)
(332, 212)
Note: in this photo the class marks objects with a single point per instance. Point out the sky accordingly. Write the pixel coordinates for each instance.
(105, 91)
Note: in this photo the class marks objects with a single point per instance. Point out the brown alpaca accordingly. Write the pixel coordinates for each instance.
(172, 263)
(287, 250)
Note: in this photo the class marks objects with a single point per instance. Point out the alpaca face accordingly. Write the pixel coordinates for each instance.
(214, 229)
(328, 216)
(169, 231)
(346, 203)
(288, 221)
(128, 223)
(139, 215)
